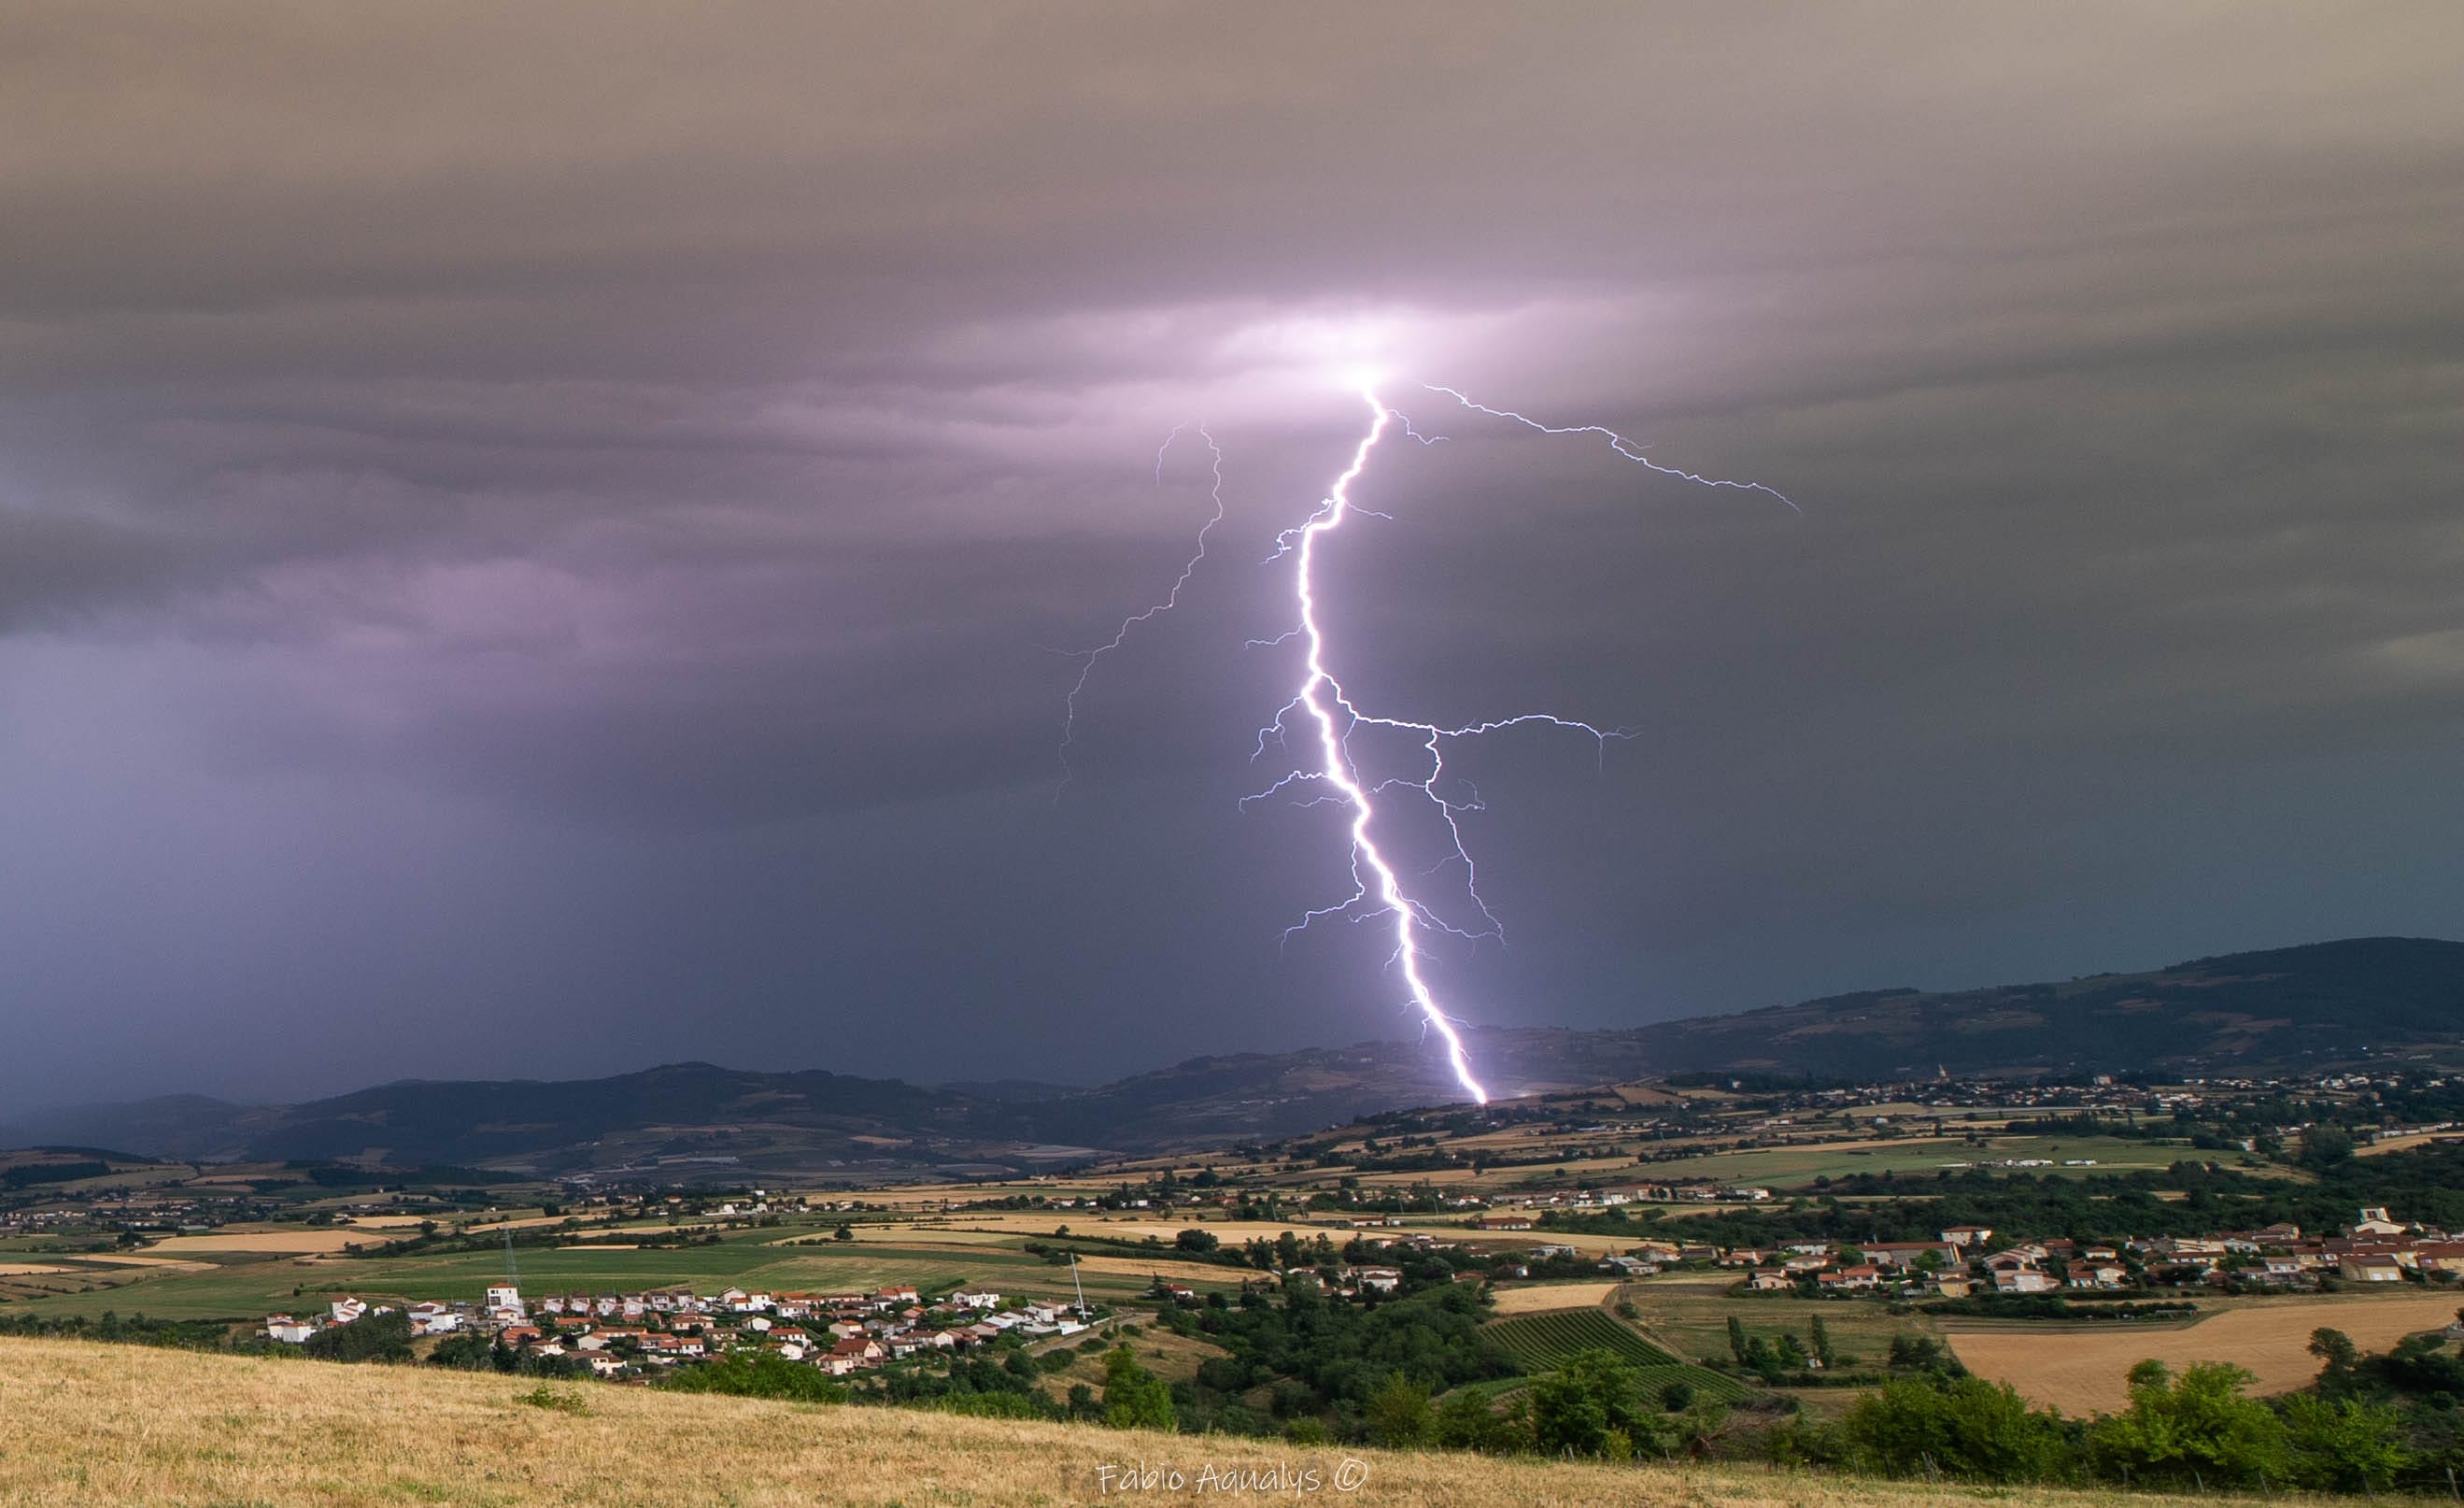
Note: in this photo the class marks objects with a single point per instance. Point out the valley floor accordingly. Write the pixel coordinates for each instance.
(90, 1423)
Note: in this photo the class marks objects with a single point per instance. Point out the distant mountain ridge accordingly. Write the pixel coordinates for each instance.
(2281, 1009)
(2309, 1007)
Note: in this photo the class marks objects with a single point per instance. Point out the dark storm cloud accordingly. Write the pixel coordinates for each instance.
(574, 517)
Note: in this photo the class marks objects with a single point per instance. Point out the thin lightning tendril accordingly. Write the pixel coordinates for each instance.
(1333, 778)
(1087, 659)
(1616, 442)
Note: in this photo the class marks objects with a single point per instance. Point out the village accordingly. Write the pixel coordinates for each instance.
(617, 1336)
(2375, 1248)
(631, 1336)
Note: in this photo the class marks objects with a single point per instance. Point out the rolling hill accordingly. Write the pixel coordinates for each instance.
(2285, 1008)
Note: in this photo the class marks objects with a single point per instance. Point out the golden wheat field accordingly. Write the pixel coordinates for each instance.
(2085, 1371)
(1538, 1296)
(92, 1424)
(282, 1242)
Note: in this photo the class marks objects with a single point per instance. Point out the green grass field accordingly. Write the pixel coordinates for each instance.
(1924, 1157)
(1689, 1314)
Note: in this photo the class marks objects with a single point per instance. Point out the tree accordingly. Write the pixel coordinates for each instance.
(2344, 1445)
(844, 1232)
(2197, 1432)
(1134, 1397)
(472, 1352)
(1194, 1239)
(1923, 1353)
(1737, 1339)
(1962, 1427)
(1465, 1422)
(2324, 1146)
(372, 1337)
(1592, 1405)
(765, 1375)
(1818, 1335)
(2337, 1354)
(1399, 1412)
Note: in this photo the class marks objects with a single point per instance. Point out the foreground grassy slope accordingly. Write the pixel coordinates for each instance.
(97, 1424)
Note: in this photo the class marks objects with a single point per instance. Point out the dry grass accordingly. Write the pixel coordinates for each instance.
(2083, 1371)
(1173, 1358)
(1161, 1267)
(279, 1242)
(125, 1425)
(1519, 1300)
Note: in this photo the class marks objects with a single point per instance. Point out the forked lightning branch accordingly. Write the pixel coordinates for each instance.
(1317, 724)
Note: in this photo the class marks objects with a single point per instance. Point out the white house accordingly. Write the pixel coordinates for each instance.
(434, 1318)
(2375, 1221)
(2096, 1274)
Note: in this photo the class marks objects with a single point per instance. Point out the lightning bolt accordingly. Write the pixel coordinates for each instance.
(1616, 442)
(1322, 696)
(1088, 659)
(1331, 716)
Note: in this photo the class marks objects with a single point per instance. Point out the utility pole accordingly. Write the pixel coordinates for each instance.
(1079, 1286)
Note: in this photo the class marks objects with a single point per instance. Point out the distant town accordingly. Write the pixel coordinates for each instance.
(1761, 1255)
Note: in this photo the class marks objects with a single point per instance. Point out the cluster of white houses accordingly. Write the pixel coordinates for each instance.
(617, 1335)
(1582, 1199)
(2375, 1248)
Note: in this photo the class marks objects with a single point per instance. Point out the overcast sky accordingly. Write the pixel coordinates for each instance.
(538, 541)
